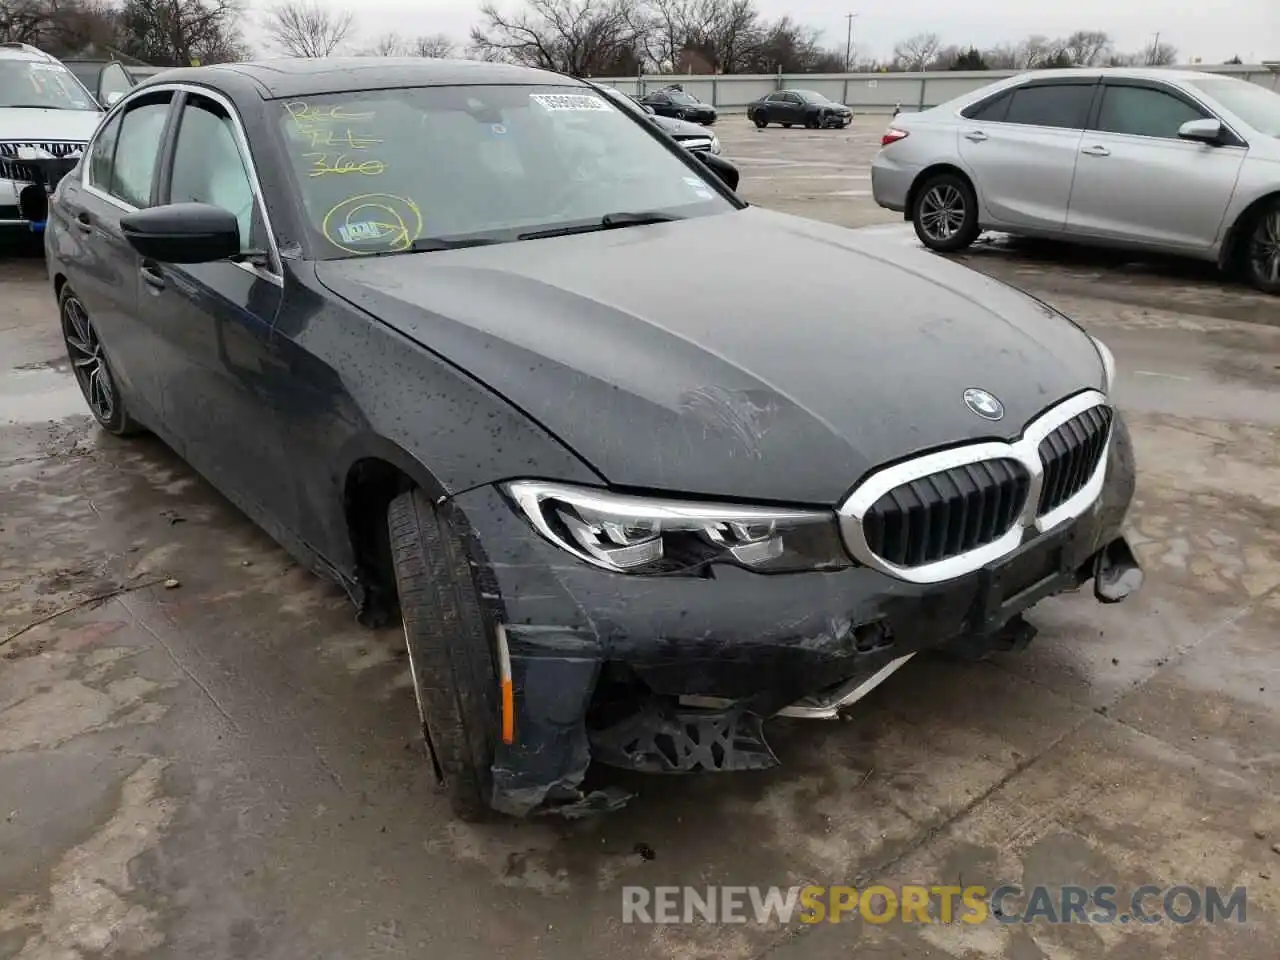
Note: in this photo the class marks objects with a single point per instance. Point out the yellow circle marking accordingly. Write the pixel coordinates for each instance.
(380, 210)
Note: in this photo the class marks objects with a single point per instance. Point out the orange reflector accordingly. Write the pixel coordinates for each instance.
(506, 687)
(508, 713)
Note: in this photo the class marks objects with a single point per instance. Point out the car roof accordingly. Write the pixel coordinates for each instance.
(23, 51)
(1135, 73)
(301, 77)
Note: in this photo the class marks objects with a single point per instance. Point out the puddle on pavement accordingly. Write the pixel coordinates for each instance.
(36, 392)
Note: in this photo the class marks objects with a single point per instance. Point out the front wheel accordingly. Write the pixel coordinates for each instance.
(450, 650)
(761, 121)
(1262, 250)
(945, 213)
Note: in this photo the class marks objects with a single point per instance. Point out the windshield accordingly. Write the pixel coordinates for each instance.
(679, 96)
(809, 96)
(1255, 105)
(41, 83)
(386, 171)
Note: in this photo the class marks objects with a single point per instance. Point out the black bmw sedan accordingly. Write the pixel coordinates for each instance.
(390, 309)
(795, 107)
(675, 102)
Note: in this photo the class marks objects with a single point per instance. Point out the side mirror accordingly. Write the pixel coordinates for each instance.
(183, 233)
(722, 168)
(1204, 131)
(113, 98)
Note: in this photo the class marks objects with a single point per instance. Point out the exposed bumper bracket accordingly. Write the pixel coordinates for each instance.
(662, 738)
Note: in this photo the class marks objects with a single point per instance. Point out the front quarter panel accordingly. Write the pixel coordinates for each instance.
(358, 389)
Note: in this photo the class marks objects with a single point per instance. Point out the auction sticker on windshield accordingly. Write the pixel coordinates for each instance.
(570, 101)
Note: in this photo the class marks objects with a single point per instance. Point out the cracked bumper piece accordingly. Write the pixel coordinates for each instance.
(673, 674)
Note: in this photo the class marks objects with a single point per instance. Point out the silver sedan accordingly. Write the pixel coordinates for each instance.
(1173, 161)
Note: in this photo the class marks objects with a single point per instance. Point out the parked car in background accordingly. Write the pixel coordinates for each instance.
(1171, 161)
(107, 80)
(791, 107)
(673, 101)
(44, 112)
(691, 136)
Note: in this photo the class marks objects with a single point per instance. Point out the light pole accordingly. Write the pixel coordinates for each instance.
(848, 41)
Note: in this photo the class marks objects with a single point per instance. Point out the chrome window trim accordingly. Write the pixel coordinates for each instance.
(246, 156)
(1025, 450)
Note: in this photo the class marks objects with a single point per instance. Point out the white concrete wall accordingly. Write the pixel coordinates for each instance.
(869, 92)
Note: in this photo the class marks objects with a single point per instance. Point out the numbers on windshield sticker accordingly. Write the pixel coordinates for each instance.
(570, 101)
(373, 223)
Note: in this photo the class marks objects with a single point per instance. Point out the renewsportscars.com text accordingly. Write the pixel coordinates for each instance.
(936, 903)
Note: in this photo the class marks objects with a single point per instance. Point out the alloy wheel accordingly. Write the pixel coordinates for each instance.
(1264, 247)
(87, 360)
(942, 212)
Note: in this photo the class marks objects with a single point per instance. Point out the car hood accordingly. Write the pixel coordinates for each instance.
(680, 128)
(30, 125)
(749, 354)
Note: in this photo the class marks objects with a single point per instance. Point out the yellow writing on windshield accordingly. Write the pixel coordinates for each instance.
(325, 137)
(325, 163)
(373, 223)
(303, 112)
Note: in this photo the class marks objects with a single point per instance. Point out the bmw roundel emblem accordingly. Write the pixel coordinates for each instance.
(983, 404)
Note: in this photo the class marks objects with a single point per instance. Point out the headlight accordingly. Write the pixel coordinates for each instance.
(1108, 362)
(715, 144)
(648, 535)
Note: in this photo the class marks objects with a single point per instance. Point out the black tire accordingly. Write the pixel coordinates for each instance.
(450, 651)
(787, 126)
(89, 365)
(1260, 249)
(813, 121)
(945, 213)
(761, 121)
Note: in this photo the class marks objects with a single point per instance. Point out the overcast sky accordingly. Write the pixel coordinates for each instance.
(1214, 30)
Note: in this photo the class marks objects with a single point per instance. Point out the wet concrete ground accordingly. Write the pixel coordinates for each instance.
(228, 767)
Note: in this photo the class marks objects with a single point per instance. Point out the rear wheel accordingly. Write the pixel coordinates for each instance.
(89, 365)
(1262, 250)
(450, 650)
(787, 126)
(945, 213)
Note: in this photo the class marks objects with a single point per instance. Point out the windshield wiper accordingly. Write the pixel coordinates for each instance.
(30, 106)
(610, 221)
(429, 244)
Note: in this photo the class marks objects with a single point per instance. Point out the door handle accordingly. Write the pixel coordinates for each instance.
(151, 276)
(84, 221)
(976, 136)
(1096, 151)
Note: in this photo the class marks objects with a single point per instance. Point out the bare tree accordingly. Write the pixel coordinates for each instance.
(723, 32)
(915, 53)
(435, 47)
(60, 27)
(1035, 51)
(1002, 57)
(1159, 54)
(1086, 48)
(180, 32)
(388, 45)
(302, 28)
(578, 37)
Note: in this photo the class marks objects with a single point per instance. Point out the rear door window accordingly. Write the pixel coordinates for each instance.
(1051, 105)
(992, 110)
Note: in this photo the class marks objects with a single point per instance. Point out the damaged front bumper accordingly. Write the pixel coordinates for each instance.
(679, 674)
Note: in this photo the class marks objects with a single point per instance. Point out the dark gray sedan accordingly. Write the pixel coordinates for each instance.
(391, 310)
